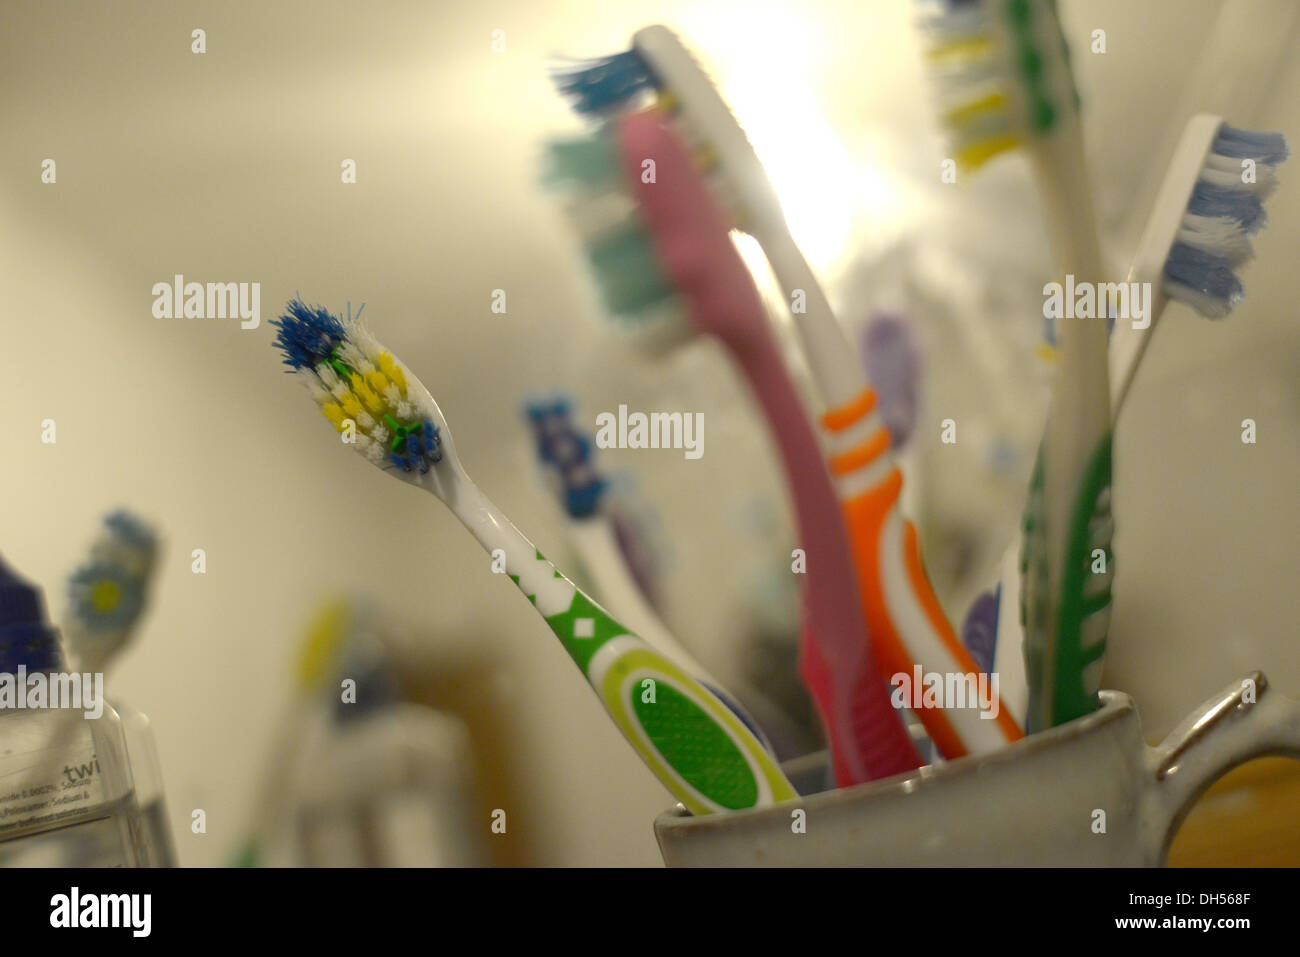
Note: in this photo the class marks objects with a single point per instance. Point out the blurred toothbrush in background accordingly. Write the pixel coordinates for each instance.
(906, 624)
(108, 592)
(667, 269)
(316, 662)
(687, 737)
(593, 536)
(107, 596)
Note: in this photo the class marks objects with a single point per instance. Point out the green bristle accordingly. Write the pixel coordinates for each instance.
(622, 256)
(627, 271)
(590, 162)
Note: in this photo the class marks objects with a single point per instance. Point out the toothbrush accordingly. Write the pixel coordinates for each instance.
(107, 594)
(592, 534)
(907, 627)
(1195, 238)
(701, 752)
(316, 662)
(1004, 82)
(664, 251)
(1199, 232)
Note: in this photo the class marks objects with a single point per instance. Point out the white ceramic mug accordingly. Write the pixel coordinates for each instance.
(1090, 792)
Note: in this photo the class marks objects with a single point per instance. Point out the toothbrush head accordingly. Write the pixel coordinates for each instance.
(633, 287)
(1002, 73)
(659, 70)
(382, 410)
(560, 446)
(107, 592)
(1211, 237)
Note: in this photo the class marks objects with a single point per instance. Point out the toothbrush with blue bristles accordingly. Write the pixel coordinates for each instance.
(1197, 237)
(689, 739)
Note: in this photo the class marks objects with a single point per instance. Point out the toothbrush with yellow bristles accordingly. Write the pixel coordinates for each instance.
(1003, 80)
(689, 739)
(316, 661)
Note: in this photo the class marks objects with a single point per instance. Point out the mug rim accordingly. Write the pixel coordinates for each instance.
(1115, 706)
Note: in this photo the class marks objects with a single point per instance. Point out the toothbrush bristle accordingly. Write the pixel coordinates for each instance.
(308, 335)
(606, 84)
(561, 446)
(107, 592)
(1225, 209)
(1001, 73)
(602, 210)
(359, 387)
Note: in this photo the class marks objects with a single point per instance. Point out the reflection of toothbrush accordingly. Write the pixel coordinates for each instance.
(683, 249)
(1004, 82)
(592, 534)
(1198, 233)
(904, 619)
(706, 757)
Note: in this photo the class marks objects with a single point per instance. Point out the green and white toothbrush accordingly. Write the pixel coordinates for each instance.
(698, 749)
(1004, 82)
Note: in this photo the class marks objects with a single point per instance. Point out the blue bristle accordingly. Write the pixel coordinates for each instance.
(130, 530)
(308, 335)
(26, 638)
(605, 84)
(419, 451)
(1225, 202)
(1210, 275)
(376, 688)
(1269, 148)
(559, 444)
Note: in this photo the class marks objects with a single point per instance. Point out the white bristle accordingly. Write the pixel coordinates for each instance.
(1223, 237)
(1229, 171)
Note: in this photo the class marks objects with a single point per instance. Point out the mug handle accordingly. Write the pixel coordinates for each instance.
(1248, 719)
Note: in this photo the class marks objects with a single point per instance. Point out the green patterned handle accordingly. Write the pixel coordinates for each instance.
(1065, 641)
(691, 741)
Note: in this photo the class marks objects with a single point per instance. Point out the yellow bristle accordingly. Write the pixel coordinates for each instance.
(366, 395)
(350, 405)
(961, 49)
(975, 155)
(334, 412)
(390, 368)
(960, 116)
(378, 381)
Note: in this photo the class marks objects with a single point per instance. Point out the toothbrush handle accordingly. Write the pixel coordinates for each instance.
(691, 240)
(838, 659)
(907, 624)
(688, 738)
